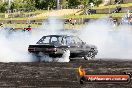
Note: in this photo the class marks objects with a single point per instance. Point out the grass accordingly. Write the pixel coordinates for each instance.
(13, 19)
(94, 15)
(113, 6)
(70, 16)
(2, 15)
(34, 12)
(39, 18)
(23, 18)
(76, 26)
(21, 25)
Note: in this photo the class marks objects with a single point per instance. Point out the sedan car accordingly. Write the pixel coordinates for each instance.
(55, 45)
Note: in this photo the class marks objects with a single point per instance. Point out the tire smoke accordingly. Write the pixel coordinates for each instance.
(112, 42)
(64, 58)
(14, 44)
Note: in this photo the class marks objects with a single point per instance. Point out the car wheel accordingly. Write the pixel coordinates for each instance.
(89, 56)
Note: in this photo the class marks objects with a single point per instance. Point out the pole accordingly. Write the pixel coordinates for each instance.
(58, 4)
(109, 9)
(9, 4)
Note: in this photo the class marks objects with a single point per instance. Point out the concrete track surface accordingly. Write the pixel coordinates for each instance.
(60, 75)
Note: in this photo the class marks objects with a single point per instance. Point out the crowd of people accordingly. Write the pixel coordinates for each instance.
(71, 21)
(29, 28)
(127, 19)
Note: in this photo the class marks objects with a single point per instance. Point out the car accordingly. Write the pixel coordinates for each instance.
(56, 45)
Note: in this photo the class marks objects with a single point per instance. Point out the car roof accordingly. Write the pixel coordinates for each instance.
(58, 36)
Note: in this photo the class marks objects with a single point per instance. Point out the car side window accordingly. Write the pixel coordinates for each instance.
(64, 41)
(46, 40)
(43, 40)
(53, 40)
(77, 40)
(70, 41)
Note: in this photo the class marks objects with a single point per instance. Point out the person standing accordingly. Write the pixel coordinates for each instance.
(28, 29)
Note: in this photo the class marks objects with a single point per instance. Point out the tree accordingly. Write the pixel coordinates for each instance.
(52, 4)
(23, 4)
(41, 4)
(3, 6)
(44, 4)
(29, 5)
(97, 2)
(64, 3)
(73, 3)
(85, 3)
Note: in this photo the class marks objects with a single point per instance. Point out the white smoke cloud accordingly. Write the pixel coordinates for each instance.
(64, 58)
(111, 42)
(14, 45)
(119, 43)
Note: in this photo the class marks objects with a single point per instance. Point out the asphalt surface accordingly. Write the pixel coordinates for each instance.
(60, 75)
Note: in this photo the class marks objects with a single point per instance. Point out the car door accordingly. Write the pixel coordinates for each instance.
(78, 42)
(74, 46)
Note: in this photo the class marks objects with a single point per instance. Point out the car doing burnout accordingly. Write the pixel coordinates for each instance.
(55, 45)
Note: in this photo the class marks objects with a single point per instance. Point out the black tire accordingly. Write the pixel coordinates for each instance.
(89, 56)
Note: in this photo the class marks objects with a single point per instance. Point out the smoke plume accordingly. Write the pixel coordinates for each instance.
(112, 42)
(14, 44)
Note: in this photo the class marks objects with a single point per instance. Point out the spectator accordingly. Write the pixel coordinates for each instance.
(70, 19)
(91, 5)
(1, 25)
(73, 21)
(28, 29)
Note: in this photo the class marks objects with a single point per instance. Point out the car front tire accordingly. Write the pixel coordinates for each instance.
(89, 56)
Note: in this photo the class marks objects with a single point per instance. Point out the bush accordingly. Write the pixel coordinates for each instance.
(3, 7)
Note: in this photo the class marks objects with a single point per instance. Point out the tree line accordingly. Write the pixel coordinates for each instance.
(30, 5)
